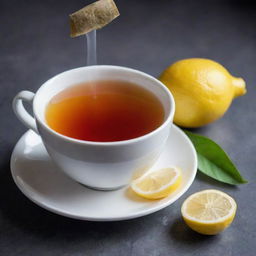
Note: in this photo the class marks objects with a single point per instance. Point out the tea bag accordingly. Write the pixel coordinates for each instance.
(92, 17)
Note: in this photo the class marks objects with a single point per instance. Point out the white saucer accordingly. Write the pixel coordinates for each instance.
(37, 177)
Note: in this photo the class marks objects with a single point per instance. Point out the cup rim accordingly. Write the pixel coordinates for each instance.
(110, 143)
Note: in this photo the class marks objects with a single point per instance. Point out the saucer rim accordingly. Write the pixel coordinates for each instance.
(137, 214)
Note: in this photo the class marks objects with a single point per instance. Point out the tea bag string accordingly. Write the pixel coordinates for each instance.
(91, 48)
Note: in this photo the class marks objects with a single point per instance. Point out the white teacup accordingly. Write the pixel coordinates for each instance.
(100, 165)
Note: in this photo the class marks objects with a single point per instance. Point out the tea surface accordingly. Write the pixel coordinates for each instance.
(104, 111)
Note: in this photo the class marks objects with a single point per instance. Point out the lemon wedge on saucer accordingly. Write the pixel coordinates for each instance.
(209, 211)
(157, 184)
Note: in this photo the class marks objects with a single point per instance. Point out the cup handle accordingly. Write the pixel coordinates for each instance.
(21, 112)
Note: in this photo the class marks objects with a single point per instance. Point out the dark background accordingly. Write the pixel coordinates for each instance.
(149, 36)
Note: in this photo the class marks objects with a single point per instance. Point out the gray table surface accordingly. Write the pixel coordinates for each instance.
(149, 35)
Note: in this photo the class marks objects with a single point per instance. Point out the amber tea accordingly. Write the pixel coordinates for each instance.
(104, 111)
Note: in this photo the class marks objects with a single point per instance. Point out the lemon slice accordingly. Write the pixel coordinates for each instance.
(157, 184)
(209, 211)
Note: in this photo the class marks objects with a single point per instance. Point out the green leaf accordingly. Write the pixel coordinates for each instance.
(213, 161)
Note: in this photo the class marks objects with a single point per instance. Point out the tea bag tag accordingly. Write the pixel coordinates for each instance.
(93, 16)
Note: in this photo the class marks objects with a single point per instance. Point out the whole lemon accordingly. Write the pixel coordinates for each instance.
(203, 90)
